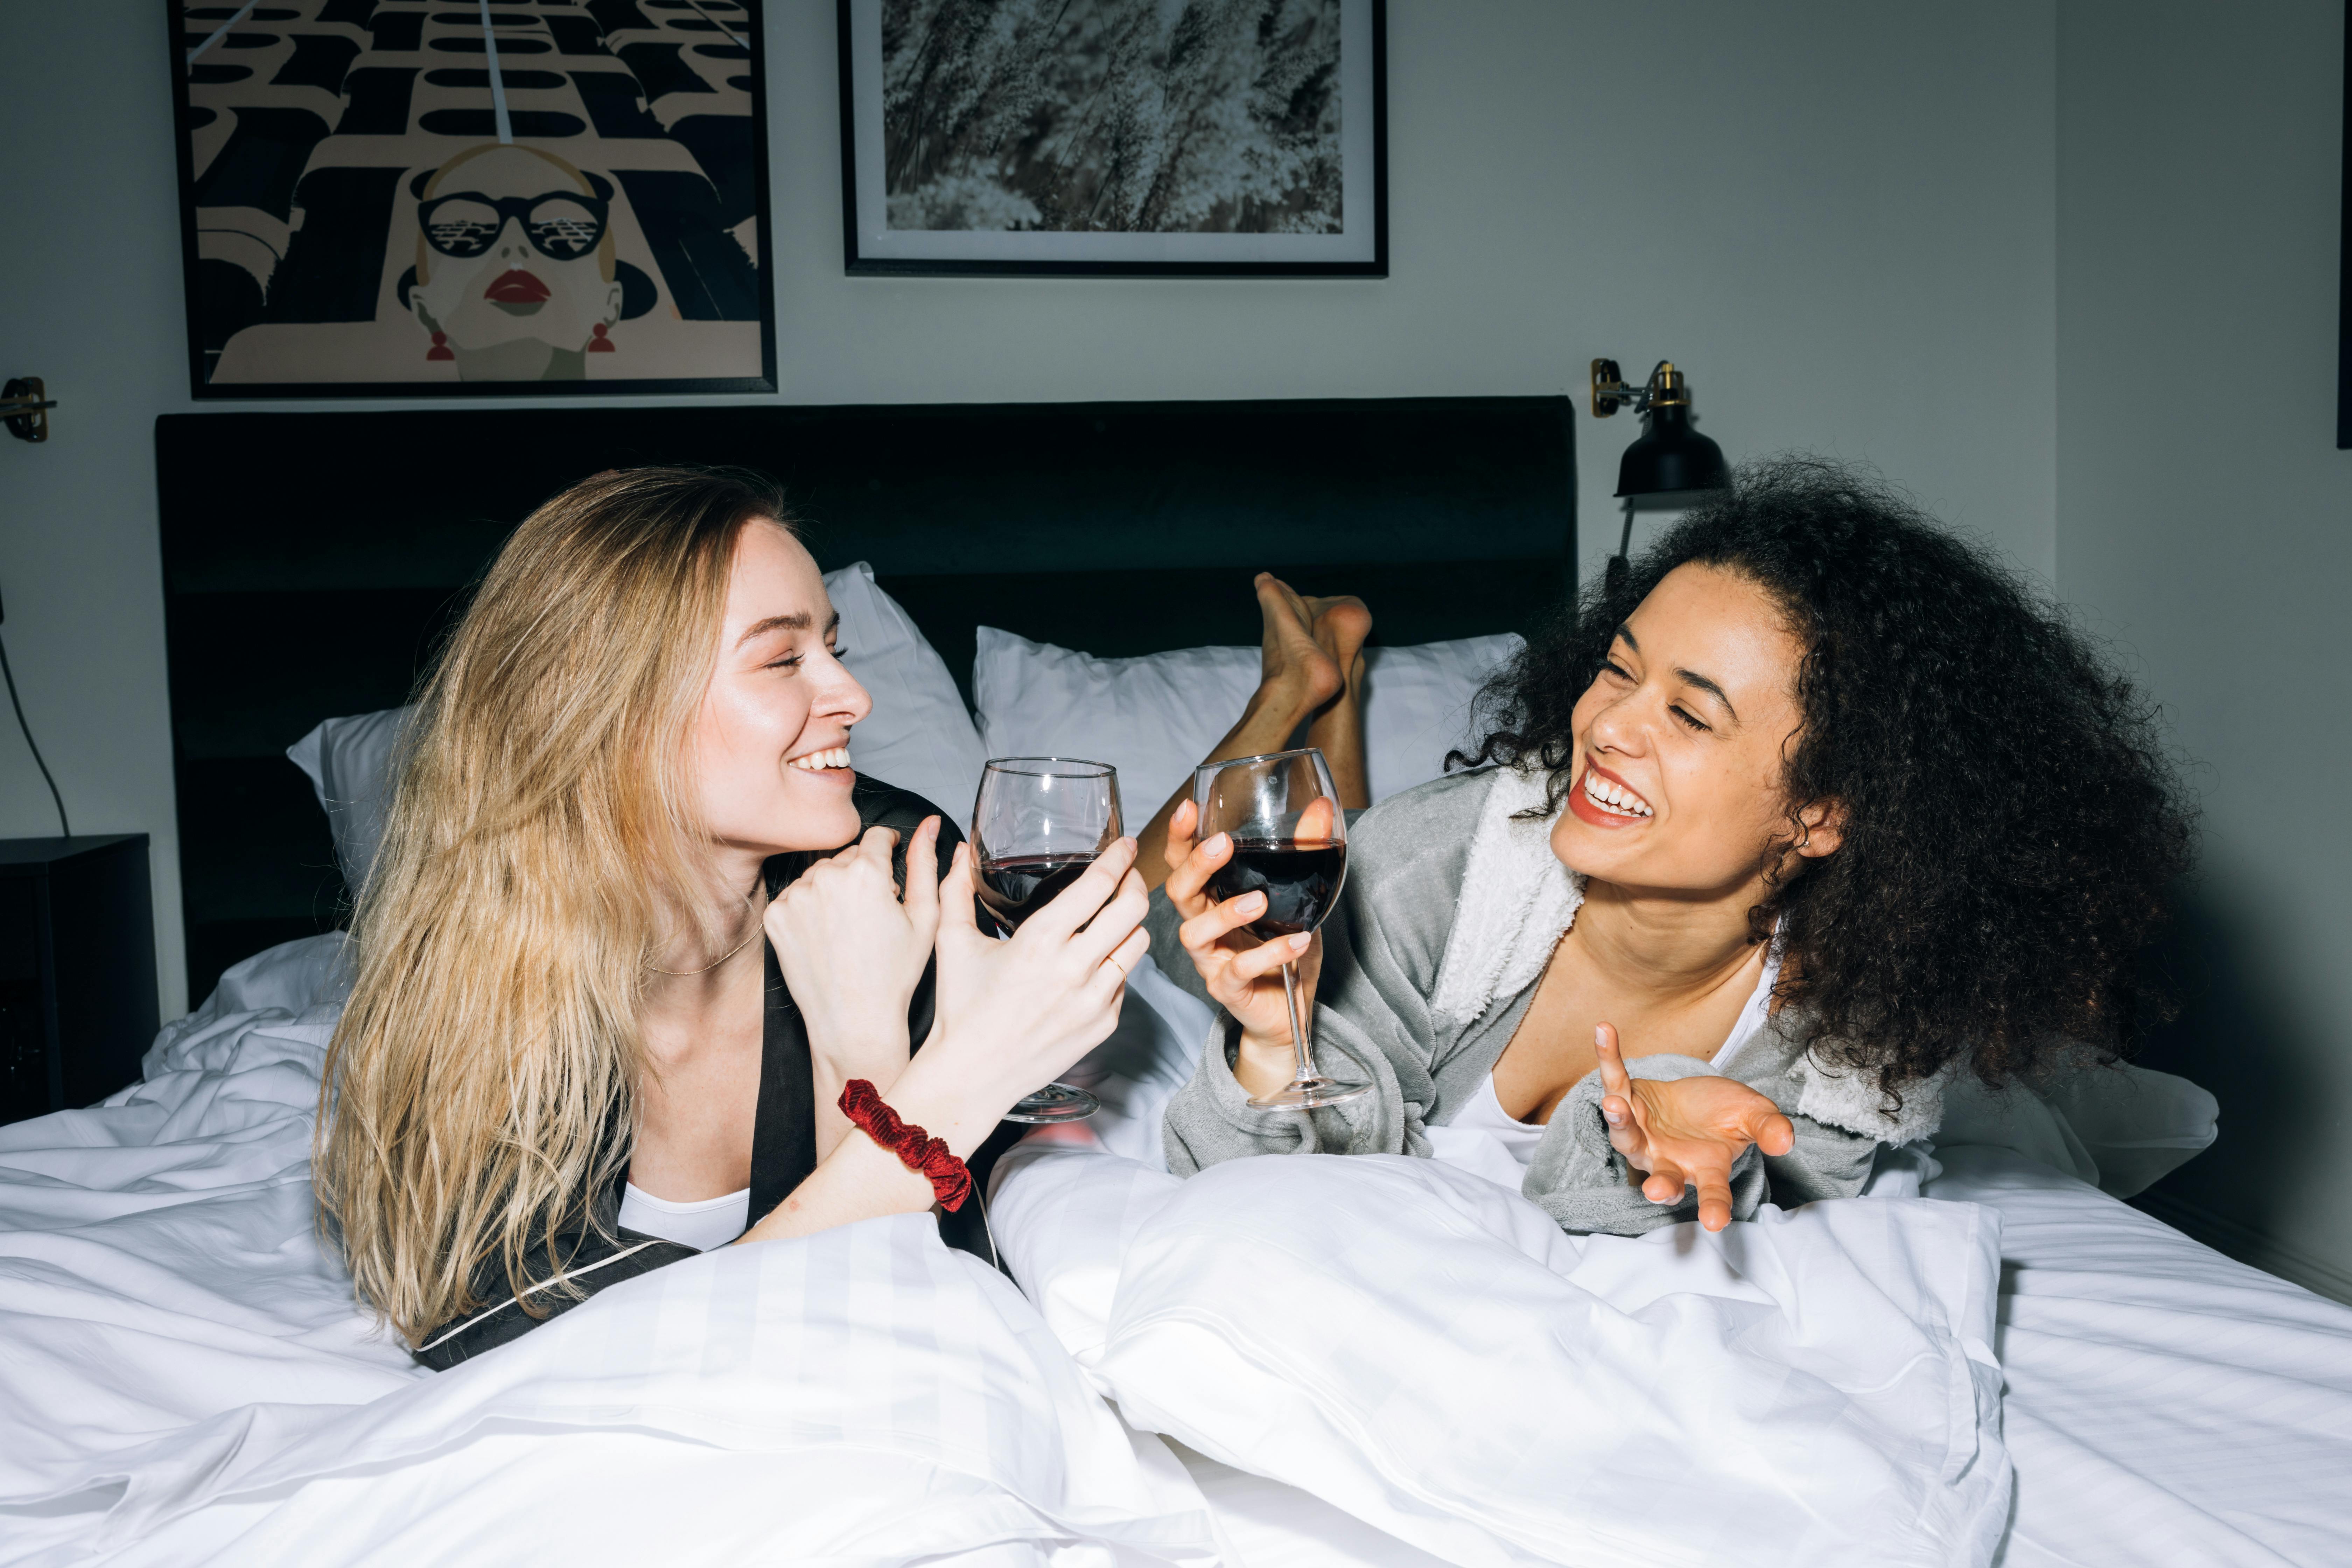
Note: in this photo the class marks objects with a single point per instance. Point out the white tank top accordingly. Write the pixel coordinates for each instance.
(701, 1225)
(1485, 1138)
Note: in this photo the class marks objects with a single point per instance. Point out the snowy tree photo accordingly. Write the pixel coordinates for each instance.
(1135, 116)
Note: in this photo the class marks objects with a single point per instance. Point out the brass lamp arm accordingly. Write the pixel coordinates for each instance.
(1610, 391)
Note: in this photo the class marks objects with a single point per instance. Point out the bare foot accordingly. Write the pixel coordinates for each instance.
(1293, 659)
(1342, 624)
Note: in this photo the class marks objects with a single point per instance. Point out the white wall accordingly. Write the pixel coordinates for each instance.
(2205, 518)
(1839, 218)
(88, 303)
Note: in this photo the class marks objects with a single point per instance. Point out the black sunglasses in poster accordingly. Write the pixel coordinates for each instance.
(563, 225)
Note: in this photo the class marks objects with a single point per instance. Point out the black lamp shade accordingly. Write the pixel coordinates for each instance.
(1671, 456)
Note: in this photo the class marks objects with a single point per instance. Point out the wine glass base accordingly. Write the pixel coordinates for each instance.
(1312, 1094)
(1055, 1103)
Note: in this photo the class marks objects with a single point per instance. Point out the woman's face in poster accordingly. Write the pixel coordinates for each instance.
(496, 278)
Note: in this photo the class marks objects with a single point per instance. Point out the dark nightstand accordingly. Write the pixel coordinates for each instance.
(77, 970)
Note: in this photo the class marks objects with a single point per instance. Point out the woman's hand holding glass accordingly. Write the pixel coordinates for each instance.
(1243, 973)
(1012, 1014)
(853, 950)
(1018, 1012)
(1686, 1133)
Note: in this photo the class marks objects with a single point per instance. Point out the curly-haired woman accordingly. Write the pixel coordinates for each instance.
(1815, 807)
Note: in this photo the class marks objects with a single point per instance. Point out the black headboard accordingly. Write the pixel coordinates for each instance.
(313, 561)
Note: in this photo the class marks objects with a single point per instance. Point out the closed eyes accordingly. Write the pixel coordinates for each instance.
(1684, 715)
(794, 660)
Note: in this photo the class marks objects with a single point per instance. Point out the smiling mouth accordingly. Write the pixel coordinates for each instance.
(826, 761)
(1614, 799)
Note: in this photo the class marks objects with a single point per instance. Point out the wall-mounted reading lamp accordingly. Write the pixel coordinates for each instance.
(1670, 457)
(26, 409)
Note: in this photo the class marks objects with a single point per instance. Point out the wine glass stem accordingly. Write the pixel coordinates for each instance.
(1299, 1045)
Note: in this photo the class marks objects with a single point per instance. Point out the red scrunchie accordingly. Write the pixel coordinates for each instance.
(950, 1177)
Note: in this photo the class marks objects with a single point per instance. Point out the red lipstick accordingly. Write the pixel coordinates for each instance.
(516, 287)
(1587, 811)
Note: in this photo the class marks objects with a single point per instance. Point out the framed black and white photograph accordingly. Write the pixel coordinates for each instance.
(397, 198)
(1110, 137)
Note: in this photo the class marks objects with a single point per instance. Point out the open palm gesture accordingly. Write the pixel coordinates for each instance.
(1686, 1133)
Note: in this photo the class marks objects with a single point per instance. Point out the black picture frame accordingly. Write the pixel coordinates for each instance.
(320, 54)
(861, 120)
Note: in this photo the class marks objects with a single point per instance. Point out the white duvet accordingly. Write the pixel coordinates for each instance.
(1369, 1363)
(1428, 1351)
(1419, 1346)
(183, 1378)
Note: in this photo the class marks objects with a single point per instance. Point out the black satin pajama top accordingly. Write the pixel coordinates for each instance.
(593, 1252)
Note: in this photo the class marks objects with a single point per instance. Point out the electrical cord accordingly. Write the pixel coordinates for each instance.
(30, 744)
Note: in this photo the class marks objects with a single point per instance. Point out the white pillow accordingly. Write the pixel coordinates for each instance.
(918, 736)
(1154, 718)
(349, 761)
(2120, 1128)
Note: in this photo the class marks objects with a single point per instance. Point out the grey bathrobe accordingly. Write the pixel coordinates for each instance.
(1452, 907)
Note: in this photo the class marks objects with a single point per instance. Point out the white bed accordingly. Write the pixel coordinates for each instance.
(2164, 1404)
(2160, 1404)
(186, 1380)
(183, 1377)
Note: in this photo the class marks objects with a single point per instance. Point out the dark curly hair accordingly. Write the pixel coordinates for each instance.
(2012, 822)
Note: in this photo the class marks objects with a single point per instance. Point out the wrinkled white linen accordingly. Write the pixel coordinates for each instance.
(2120, 1127)
(183, 1377)
(2165, 1404)
(162, 1299)
(1266, 1524)
(1429, 1353)
(2162, 1403)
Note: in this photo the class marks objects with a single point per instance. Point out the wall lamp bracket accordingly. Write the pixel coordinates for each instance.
(1610, 392)
(1669, 461)
(25, 408)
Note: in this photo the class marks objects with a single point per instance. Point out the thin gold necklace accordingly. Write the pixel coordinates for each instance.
(723, 957)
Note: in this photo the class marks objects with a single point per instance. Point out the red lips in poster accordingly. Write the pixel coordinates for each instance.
(516, 287)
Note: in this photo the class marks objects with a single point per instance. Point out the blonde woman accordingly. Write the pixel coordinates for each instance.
(569, 1056)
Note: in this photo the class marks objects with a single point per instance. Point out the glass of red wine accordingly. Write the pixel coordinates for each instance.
(1038, 824)
(1290, 843)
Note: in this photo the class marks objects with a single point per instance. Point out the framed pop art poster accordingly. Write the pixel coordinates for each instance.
(1109, 137)
(456, 198)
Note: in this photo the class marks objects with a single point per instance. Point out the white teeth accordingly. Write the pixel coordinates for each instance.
(1623, 802)
(818, 762)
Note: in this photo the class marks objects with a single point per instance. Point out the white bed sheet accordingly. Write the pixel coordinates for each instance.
(2163, 1403)
(1427, 1350)
(185, 1379)
(169, 1329)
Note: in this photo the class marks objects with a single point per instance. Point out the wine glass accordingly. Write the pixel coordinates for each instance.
(1290, 843)
(1037, 825)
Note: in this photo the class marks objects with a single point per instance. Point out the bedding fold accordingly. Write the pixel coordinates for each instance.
(187, 1378)
(1431, 1353)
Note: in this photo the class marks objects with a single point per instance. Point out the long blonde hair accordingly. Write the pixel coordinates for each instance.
(542, 840)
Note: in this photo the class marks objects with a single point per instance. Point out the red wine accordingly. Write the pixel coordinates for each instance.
(1299, 882)
(1017, 887)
